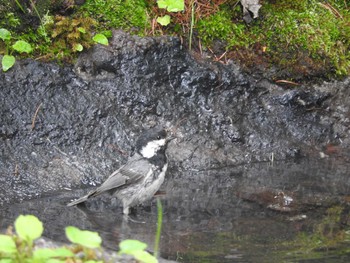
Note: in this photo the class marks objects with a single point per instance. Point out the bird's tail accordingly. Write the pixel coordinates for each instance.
(81, 199)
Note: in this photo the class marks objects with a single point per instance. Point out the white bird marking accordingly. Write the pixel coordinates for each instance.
(152, 147)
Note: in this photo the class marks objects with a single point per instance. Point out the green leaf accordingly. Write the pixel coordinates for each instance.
(130, 245)
(172, 5)
(176, 5)
(81, 30)
(46, 253)
(22, 46)
(136, 248)
(7, 244)
(78, 47)
(164, 20)
(7, 62)
(145, 257)
(28, 227)
(101, 39)
(54, 260)
(85, 238)
(162, 4)
(5, 34)
(7, 260)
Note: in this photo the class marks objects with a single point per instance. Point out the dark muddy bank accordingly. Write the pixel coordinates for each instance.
(62, 127)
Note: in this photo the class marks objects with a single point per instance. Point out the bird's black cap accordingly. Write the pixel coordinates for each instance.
(155, 133)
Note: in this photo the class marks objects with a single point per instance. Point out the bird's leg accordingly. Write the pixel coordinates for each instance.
(126, 210)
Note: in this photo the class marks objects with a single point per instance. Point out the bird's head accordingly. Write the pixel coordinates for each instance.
(153, 141)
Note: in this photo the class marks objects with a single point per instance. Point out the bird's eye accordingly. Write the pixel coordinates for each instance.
(158, 137)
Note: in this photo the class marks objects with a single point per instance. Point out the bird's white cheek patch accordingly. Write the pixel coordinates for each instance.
(151, 148)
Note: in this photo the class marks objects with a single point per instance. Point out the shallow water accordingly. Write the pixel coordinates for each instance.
(266, 212)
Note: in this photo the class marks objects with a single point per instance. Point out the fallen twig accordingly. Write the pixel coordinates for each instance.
(35, 115)
(287, 82)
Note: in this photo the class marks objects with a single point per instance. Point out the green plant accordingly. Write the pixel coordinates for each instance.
(171, 6)
(72, 34)
(124, 14)
(159, 227)
(215, 27)
(10, 21)
(191, 26)
(101, 39)
(19, 6)
(20, 46)
(84, 238)
(19, 247)
(136, 249)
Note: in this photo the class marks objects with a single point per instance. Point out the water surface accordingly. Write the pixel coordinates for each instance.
(266, 212)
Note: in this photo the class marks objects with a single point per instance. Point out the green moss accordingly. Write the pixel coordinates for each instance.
(217, 26)
(124, 14)
(289, 30)
(327, 234)
(300, 37)
(311, 28)
(220, 26)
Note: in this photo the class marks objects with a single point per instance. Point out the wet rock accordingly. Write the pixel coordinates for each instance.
(61, 127)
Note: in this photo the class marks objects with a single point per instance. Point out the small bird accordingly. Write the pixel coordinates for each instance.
(140, 178)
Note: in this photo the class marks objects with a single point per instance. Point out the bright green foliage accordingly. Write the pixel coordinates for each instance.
(19, 249)
(287, 29)
(6, 261)
(22, 46)
(164, 20)
(7, 244)
(171, 5)
(127, 246)
(284, 32)
(7, 62)
(124, 14)
(220, 27)
(78, 47)
(44, 254)
(101, 39)
(159, 227)
(215, 27)
(28, 227)
(137, 249)
(309, 27)
(5, 34)
(85, 238)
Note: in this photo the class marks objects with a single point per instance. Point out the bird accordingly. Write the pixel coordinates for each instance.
(142, 175)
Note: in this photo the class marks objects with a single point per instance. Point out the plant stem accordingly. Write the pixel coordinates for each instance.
(36, 11)
(40, 18)
(191, 26)
(159, 228)
(20, 6)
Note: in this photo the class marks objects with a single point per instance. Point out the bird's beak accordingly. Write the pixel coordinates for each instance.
(171, 134)
(170, 137)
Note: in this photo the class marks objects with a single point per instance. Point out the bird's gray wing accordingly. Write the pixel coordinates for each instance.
(134, 170)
